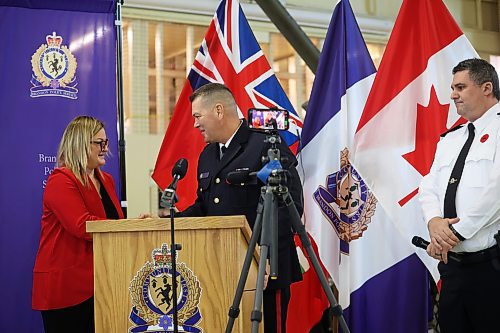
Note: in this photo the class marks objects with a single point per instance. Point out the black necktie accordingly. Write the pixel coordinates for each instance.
(450, 209)
(222, 151)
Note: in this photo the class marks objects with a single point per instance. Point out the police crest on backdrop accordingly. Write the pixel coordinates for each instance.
(54, 69)
(346, 202)
(151, 294)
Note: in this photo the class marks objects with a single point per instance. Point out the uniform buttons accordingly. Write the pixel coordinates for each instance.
(216, 200)
(217, 180)
(201, 189)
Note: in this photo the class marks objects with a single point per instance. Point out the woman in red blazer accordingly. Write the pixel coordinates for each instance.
(77, 191)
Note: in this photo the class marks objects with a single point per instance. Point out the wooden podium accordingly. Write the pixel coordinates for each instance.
(213, 251)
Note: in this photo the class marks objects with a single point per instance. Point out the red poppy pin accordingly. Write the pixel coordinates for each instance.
(484, 138)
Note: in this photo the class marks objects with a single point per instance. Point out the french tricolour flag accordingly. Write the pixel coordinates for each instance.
(382, 284)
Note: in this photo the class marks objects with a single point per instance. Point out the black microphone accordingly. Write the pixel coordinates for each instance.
(241, 177)
(169, 197)
(179, 170)
(422, 243)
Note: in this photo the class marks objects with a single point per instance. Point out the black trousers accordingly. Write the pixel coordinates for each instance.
(275, 309)
(470, 297)
(74, 319)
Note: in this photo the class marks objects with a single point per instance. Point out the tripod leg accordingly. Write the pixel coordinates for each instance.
(273, 227)
(256, 316)
(301, 230)
(265, 244)
(234, 310)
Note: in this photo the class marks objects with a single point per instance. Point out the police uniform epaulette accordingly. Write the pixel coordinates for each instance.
(451, 130)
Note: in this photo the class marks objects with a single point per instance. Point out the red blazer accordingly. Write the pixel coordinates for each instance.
(63, 273)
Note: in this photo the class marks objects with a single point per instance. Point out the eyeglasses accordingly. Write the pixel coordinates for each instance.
(102, 143)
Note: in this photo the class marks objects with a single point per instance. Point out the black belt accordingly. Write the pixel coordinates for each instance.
(475, 257)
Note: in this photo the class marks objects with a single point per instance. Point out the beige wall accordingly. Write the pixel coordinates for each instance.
(141, 153)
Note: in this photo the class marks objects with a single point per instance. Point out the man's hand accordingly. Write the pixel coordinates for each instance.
(165, 212)
(442, 238)
(434, 252)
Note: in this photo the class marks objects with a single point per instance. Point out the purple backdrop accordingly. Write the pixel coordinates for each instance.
(31, 127)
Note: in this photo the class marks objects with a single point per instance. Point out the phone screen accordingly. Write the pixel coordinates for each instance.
(268, 119)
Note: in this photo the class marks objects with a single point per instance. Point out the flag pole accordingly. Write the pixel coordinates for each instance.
(121, 127)
(278, 14)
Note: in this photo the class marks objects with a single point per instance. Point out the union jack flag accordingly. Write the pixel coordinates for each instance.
(229, 54)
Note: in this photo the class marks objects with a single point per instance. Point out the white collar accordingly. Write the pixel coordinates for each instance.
(482, 122)
(228, 142)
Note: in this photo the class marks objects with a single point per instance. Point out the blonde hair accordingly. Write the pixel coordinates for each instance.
(74, 149)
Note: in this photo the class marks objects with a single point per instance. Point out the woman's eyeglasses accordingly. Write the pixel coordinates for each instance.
(102, 143)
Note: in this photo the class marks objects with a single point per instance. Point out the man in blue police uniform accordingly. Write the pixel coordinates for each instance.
(460, 201)
(232, 145)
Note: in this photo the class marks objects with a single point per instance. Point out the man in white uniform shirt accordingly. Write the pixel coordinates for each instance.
(460, 199)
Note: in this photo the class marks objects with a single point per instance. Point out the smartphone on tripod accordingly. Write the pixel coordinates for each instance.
(268, 119)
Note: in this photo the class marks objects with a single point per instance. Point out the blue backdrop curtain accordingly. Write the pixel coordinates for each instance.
(58, 61)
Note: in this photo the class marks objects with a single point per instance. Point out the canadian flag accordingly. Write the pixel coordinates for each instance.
(407, 109)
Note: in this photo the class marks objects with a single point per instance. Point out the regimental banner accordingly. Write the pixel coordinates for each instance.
(59, 62)
(152, 296)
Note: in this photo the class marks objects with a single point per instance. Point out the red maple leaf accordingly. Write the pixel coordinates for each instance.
(430, 124)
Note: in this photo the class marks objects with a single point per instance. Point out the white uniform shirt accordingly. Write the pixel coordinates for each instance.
(478, 194)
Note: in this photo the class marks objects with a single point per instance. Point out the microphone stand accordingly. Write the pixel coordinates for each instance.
(173, 248)
(168, 200)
